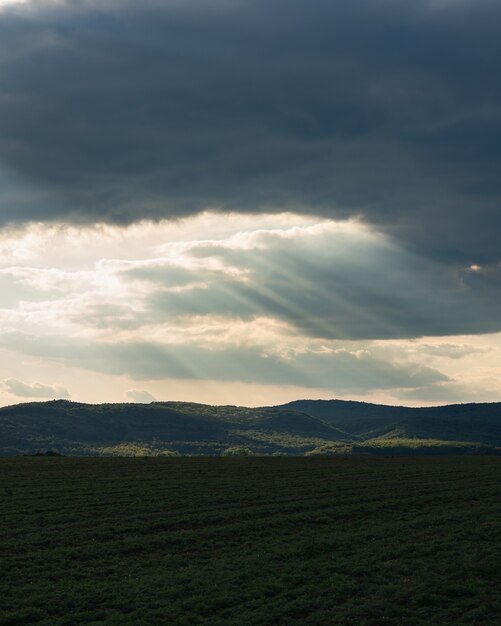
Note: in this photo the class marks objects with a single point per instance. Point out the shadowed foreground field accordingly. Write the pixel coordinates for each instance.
(250, 541)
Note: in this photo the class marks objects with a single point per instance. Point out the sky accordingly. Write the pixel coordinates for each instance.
(250, 201)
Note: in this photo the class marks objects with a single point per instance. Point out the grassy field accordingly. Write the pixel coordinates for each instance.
(355, 540)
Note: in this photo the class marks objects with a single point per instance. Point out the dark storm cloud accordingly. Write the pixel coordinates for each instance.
(390, 109)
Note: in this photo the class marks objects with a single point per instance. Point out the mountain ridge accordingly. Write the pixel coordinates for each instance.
(463, 422)
(298, 427)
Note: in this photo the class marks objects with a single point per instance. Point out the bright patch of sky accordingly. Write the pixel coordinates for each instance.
(238, 309)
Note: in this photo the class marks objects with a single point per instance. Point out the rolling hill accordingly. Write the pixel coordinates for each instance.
(304, 426)
(76, 428)
(455, 422)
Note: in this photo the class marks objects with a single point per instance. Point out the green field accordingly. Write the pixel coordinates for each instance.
(319, 540)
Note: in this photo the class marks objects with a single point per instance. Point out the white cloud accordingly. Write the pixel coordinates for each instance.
(139, 395)
(8, 3)
(34, 390)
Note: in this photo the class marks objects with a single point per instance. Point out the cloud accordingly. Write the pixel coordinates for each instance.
(139, 395)
(449, 392)
(33, 390)
(330, 280)
(285, 301)
(450, 350)
(327, 280)
(120, 111)
(327, 368)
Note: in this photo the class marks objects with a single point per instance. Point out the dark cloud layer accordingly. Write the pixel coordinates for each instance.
(390, 110)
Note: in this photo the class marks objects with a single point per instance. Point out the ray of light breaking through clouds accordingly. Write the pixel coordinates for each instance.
(251, 192)
(301, 304)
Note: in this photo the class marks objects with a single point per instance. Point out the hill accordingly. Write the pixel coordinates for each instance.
(455, 422)
(76, 428)
(304, 426)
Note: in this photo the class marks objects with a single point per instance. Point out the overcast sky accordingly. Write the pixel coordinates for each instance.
(250, 201)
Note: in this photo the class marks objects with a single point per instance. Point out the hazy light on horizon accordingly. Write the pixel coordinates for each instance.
(259, 310)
